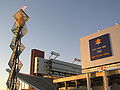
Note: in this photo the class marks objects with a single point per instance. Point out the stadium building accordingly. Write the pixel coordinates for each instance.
(100, 69)
(55, 68)
(100, 57)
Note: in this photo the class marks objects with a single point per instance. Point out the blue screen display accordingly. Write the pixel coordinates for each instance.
(100, 47)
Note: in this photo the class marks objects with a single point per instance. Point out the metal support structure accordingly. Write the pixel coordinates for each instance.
(19, 30)
(88, 81)
(105, 81)
(16, 60)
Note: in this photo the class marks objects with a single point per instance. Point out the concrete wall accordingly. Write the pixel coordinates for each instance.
(35, 53)
(114, 33)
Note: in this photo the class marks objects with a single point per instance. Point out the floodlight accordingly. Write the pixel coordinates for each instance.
(76, 59)
(54, 54)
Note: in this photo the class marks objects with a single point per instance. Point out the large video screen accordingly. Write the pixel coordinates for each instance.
(100, 47)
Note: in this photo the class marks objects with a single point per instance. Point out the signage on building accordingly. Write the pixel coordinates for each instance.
(101, 68)
(100, 47)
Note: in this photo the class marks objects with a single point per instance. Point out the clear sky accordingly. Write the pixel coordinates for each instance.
(54, 25)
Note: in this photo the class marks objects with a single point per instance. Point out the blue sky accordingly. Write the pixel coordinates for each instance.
(54, 25)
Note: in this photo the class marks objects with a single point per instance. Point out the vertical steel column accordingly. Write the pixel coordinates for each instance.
(105, 81)
(88, 81)
(16, 59)
(76, 83)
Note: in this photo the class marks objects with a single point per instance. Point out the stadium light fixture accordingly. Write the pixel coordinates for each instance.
(55, 54)
(76, 59)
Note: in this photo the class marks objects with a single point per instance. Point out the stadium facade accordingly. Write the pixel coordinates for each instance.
(100, 56)
(100, 69)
